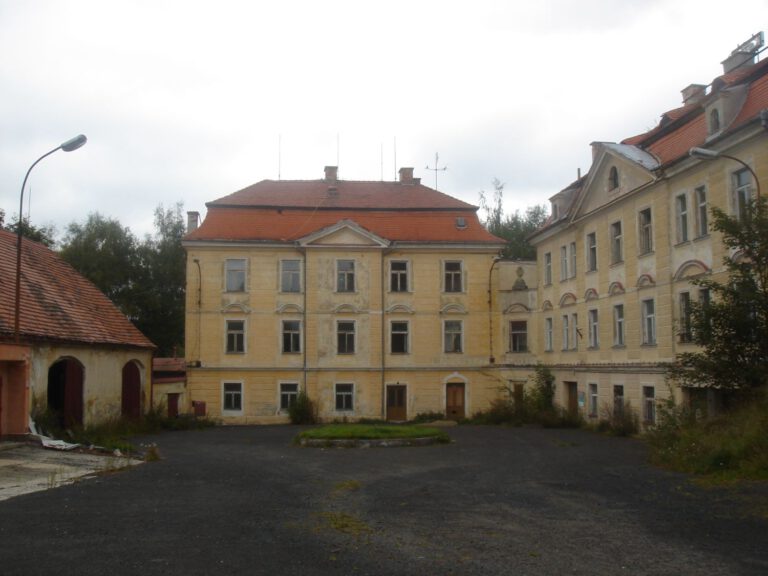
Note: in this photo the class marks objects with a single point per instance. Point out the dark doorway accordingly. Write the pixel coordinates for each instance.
(131, 399)
(572, 397)
(454, 401)
(173, 405)
(396, 402)
(65, 392)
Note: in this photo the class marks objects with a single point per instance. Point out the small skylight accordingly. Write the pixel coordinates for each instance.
(461, 222)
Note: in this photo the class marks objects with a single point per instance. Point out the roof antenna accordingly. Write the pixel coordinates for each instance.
(337, 149)
(279, 154)
(395, 160)
(382, 161)
(436, 169)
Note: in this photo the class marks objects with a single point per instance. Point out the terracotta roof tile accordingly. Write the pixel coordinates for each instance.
(57, 303)
(284, 211)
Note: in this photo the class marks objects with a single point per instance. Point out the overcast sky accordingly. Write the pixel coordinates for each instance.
(189, 101)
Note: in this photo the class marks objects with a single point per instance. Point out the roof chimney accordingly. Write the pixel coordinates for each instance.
(693, 93)
(744, 55)
(331, 173)
(193, 219)
(406, 175)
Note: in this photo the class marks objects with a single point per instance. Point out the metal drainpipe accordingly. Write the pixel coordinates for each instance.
(383, 346)
(491, 359)
(303, 251)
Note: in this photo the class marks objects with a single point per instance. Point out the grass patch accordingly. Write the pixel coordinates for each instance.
(345, 523)
(730, 447)
(372, 432)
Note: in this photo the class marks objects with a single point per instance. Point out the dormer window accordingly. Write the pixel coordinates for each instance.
(555, 214)
(613, 178)
(714, 121)
(461, 222)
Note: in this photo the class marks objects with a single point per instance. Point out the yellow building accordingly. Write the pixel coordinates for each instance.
(623, 242)
(371, 296)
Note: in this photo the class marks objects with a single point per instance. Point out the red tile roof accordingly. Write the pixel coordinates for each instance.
(284, 211)
(57, 303)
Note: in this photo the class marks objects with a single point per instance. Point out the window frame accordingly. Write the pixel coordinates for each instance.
(617, 242)
(645, 231)
(286, 398)
(229, 273)
(593, 406)
(574, 331)
(230, 332)
(613, 179)
(346, 339)
(742, 193)
(290, 336)
(345, 279)
(518, 339)
(648, 312)
(549, 341)
(681, 218)
(548, 269)
(591, 251)
(404, 335)
(451, 277)
(346, 397)
(702, 215)
(593, 328)
(403, 276)
(618, 399)
(619, 326)
(564, 263)
(227, 394)
(566, 333)
(290, 274)
(685, 333)
(649, 405)
(460, 331)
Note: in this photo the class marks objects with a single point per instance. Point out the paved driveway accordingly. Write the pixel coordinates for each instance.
(496, 501)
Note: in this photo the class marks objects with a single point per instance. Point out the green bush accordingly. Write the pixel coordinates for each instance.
(621, 422)
(302, 410)
(427, 417)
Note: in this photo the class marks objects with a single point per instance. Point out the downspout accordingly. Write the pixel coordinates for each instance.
(383, 345)
(491, 359)
(303, 251)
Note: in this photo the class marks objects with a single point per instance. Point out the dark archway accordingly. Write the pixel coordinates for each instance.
(131, 397)
(65, 392)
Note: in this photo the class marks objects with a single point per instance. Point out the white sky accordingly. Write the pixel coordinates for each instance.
(187, 101)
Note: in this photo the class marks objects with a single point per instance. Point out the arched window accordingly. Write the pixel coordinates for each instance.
(613, 178)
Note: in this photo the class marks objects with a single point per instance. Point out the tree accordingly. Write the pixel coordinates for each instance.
(105, 252)
(159, 291)
(45, 234)
(514, 228)
(732, 325)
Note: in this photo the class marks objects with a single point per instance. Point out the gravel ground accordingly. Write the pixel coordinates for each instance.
(495, 501)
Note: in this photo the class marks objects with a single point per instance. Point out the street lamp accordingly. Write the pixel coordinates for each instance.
(68, 146)
(707, 154)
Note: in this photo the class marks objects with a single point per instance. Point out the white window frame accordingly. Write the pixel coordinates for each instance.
(645, 231)
(407, 336)
(702, 216)
(350, 395)
(564, 263)
(284, 332)
(453, 275)
(346, 334)
(400, 274)
(343, 276)
(515, 336)
(287, 394)
(619, 327)
(572, 260)
(591, 251)
(460, 324)
(617, 242)
(649, 405)
(566, 333)
(239, 394)
(548, 269)
(648, 309)
(742, 192)
(243, 334)
(284, 274)
(230, 270)
(574, 331)
(593, 320)
(681, 218)
(549, 343)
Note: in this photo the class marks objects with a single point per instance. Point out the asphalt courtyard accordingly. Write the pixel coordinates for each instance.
(495, 501)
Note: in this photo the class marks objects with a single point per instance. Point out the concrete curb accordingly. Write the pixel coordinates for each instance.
(368, 443)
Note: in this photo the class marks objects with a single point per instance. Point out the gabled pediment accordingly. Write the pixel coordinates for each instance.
(617, 169)
(344, 233)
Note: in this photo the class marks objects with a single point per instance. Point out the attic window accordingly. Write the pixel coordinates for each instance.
(461, 222)
(714, 121)
(613, 178)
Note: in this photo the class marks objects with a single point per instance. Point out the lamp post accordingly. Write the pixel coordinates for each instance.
(68, 146)
(707, 154)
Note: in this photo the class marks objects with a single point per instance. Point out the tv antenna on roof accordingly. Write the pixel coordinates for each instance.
(436, 169)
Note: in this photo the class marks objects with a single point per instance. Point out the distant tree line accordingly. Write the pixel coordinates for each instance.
(145, 278)
(513, 228)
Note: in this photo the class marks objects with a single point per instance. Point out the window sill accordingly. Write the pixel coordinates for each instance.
(702, 237)
(618, 346)
(617, 263)
(291, 353)
(518, 351)
(588, 272)
(231, 353)
(592, 348)
(645, 254)
(648, 345)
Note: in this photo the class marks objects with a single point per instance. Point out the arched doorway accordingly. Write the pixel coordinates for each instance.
(131, 398)
(65, 392)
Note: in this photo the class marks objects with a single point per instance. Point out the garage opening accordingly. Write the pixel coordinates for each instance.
(65, 392)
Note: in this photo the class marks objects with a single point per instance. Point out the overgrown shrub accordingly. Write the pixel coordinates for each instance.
(422, 417)
(619, 420)
(302, 410)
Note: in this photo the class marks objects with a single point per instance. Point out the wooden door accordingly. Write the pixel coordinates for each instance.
(396, 402)
(131, 400)
(572, 397)
(173, 405)
(454, 401)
